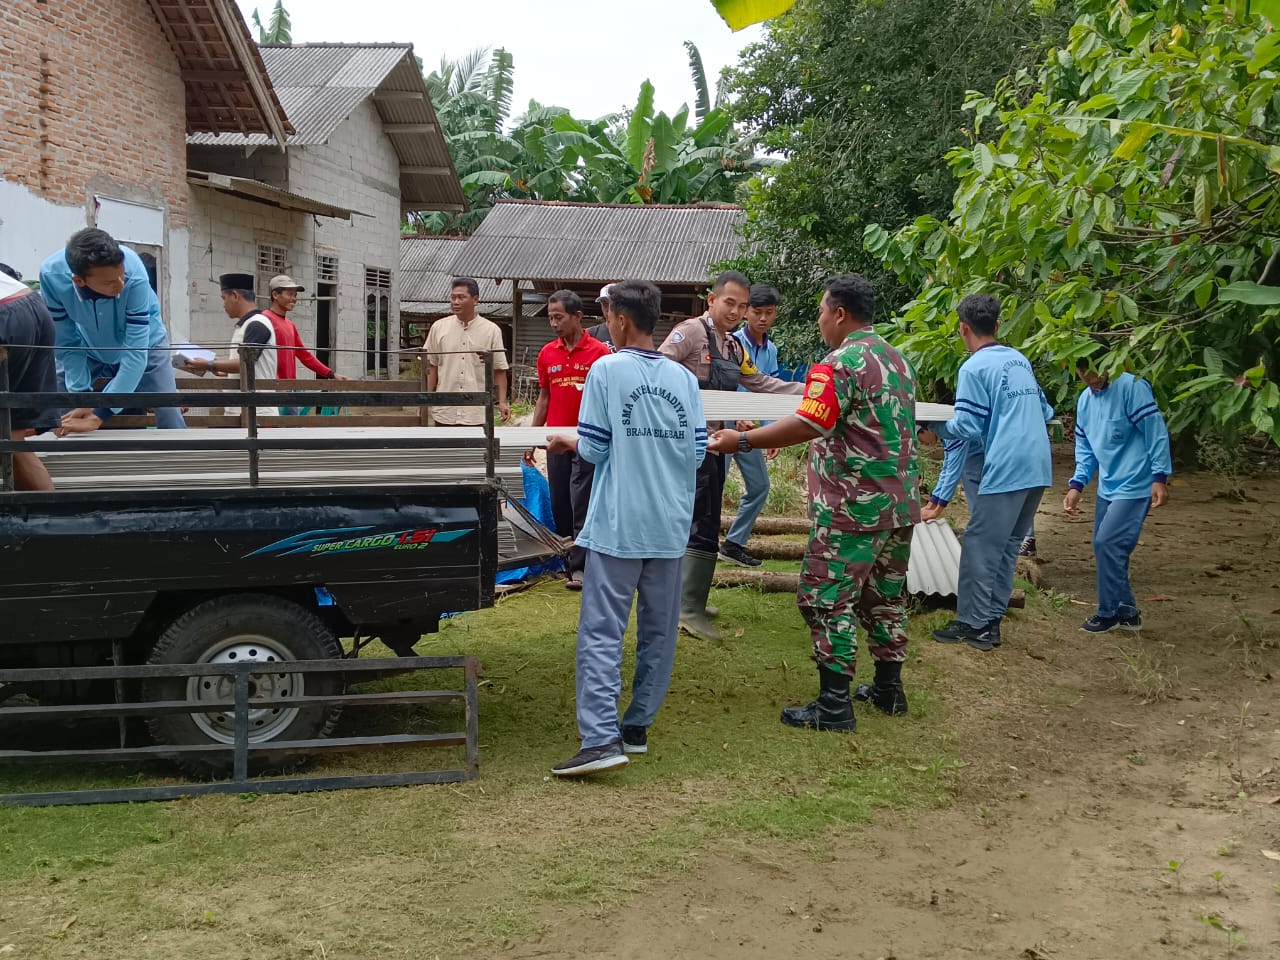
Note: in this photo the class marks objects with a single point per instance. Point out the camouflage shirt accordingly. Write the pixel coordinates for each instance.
(863, 470)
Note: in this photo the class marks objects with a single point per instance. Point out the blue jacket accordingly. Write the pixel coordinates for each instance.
(1002, 410)
(82, 318)
(1121, 436)
(642, 425)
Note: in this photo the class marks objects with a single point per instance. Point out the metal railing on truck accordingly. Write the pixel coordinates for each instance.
(248, 397)
(241, 750)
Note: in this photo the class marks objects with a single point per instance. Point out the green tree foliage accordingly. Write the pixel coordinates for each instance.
(1123, 192)
(644, 156)
(863, 99)
(279, 28)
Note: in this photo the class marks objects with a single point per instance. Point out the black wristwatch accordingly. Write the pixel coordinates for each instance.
(744, 445)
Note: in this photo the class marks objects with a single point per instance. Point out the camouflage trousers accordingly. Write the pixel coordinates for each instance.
(852, 578)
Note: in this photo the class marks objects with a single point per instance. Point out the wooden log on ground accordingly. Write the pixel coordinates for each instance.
(765, 580)
(767, 526)
(777, 549)
(768, 581)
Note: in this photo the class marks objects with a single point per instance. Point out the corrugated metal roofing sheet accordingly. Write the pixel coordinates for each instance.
(935, 560)
(600, 243)
(426, 279)
(320, 85)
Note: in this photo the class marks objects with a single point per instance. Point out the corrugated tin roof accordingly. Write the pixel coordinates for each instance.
(227, 87)
(600, 243)
(935, 560)
(426, 279)
(321, 84)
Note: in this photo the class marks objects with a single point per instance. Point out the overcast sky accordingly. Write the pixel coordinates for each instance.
(589, 56)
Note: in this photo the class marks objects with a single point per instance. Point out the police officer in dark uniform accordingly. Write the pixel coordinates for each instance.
(703, 345)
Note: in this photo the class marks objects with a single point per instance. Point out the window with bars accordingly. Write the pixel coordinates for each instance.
(271, 263)
(377, 283)
(326, 269)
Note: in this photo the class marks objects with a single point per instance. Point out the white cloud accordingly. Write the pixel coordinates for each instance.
(589, 56)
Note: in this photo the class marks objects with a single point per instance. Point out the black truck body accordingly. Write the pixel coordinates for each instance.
(177, 595)
(91, 569)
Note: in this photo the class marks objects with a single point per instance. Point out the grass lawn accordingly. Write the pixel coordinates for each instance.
(427, 871)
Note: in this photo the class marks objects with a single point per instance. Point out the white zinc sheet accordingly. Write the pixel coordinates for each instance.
(935, 560)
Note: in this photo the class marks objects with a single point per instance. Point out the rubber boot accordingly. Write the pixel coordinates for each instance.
(885, 693)
(833, 710)
(699, 568)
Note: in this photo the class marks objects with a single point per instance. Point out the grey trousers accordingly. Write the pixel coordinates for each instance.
(989, 552)
(609, 584)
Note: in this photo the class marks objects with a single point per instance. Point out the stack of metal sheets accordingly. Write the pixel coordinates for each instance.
(135, 467)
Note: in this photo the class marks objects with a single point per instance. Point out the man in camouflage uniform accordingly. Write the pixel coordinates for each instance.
(859, 413)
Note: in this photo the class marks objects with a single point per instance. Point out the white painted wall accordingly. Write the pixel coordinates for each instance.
(31, 228)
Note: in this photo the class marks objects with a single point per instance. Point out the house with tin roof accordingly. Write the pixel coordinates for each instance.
(552, 245)
(365, 150)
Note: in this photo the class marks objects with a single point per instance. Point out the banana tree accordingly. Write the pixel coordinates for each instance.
(743, 13)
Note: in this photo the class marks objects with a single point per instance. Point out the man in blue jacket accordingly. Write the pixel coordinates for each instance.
(642, 425)
(1001, 407)
(106, 321)
(1120, 436)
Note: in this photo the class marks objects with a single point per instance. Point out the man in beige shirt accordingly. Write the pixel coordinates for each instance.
(454, 354)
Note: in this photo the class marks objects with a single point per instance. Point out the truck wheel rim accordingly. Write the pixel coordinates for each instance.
(265, 723)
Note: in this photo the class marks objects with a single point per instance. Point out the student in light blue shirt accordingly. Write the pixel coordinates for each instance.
(642, 425)
(1000, 407)
(762, 314)
(1121, 436)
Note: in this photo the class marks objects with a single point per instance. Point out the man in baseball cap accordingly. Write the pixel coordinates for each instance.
(284, 290)
(601, 330)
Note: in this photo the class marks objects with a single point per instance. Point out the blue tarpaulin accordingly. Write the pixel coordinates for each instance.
(537, 500)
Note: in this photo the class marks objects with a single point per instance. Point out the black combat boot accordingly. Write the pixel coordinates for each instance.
(833, 710)
(885, 693)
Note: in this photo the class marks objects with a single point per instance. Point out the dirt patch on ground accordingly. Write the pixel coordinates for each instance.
(1117, 796)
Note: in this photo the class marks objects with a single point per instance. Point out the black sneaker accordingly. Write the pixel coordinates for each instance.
(1128, 621)
(1098, 624)
(592, 760)
(980, 638)
(635, 739)
(739, 555)
(993, 628)
(1028, 548)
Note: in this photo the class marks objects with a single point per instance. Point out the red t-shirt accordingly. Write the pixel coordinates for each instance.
(562, 372)
(289, 350)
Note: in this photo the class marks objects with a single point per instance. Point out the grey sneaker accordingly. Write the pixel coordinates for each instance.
(635, 739)
(592, 760)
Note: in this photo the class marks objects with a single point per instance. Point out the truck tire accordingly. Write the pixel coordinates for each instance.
(254, 627)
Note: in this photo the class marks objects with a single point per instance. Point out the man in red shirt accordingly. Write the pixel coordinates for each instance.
(284, 292)
(562, 370)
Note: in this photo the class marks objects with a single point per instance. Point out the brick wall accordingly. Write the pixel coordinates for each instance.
(91, 100)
